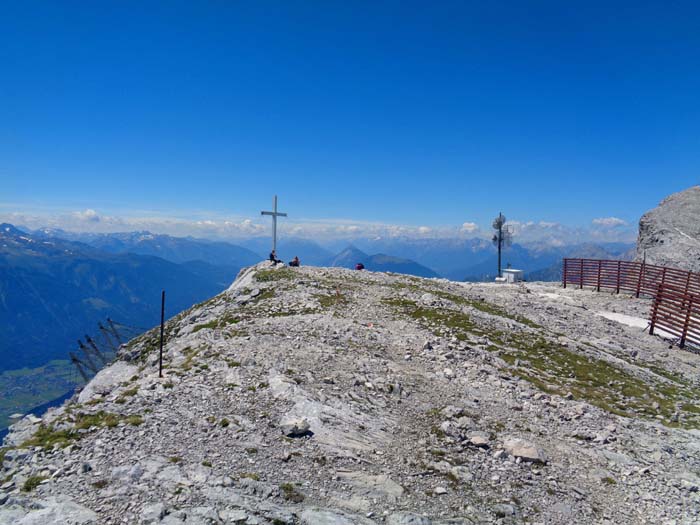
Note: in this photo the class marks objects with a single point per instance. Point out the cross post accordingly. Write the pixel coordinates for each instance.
(274, 213)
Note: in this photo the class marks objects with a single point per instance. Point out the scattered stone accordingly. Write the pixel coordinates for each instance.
(503, 510)
(294, 427)
(407, 518)
(524, 450)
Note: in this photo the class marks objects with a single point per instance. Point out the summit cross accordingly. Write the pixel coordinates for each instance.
(274, 213)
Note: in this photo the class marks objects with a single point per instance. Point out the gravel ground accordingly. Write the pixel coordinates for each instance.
(329, 396)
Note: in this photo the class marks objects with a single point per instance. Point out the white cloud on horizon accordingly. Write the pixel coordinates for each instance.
(469, 227)
(237, 228)
(610, 222)
(87, 215)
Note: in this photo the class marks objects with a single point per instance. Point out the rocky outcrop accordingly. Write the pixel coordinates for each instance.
(328, 396)
(669, 235)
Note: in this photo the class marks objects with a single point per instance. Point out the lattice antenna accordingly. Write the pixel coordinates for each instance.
(503, 237)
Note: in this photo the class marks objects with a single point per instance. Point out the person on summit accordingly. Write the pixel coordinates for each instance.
(295, 262)
(359, 266)
(273, 257)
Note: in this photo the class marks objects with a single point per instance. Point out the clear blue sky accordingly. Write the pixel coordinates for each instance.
(387, 111)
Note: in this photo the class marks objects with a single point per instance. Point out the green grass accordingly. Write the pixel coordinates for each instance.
(265, 294)
(99, 419)
(291, 493)
(221, 322)
(210, 325)
(266, 276)
(439, 321)
(224, 422)
(46, 437)
(32, 482)
(249, 475)
(131, 392)
(486, 307)
(134, 420)
(190, 354)
(556, 369)
(126, 394)
(329, 301)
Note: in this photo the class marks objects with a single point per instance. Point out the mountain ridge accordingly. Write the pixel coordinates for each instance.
(669, 235)
(330, 396)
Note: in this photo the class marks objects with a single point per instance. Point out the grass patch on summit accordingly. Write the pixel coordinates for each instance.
(32, 483)
(555, 369)
(329, 301)
(291, 493)
(441, 322)
(46, 437)
(99, 419)
(271, 275)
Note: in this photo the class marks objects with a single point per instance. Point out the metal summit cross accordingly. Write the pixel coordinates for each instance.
(274, 213)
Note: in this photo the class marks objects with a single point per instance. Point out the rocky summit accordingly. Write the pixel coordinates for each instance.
(330, 397)
(669, 235)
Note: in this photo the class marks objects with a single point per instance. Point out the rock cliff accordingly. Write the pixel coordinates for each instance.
(329, 396)
(669, 234)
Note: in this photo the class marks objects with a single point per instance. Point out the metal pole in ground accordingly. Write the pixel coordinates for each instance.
(162, 326)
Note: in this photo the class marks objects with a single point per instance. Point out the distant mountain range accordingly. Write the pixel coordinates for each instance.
(615, 251)
(455, 259)
(56, 285)
(53, 291)
(476, 259)
(313, 254)
(349, 257)
(174, 249)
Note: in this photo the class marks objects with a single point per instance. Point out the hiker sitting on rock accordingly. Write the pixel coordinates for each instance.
(273, 257)
(294, 262)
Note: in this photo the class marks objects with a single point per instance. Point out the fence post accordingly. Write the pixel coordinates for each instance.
(687, 282)
(600, 263)
(162, 326)
(654, 310)
(641, 276)
(619, 263)
(564, 274)
(581, 276)
(687, 321)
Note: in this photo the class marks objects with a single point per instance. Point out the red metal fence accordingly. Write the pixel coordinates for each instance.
(678, 314)
(676, 293)
(627, 276)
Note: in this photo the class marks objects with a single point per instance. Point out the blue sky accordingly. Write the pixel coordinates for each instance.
(420, 114)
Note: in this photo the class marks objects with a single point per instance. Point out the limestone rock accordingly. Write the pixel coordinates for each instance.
(669, 234)
(525, 450)
(407, 518)
(294, 427)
